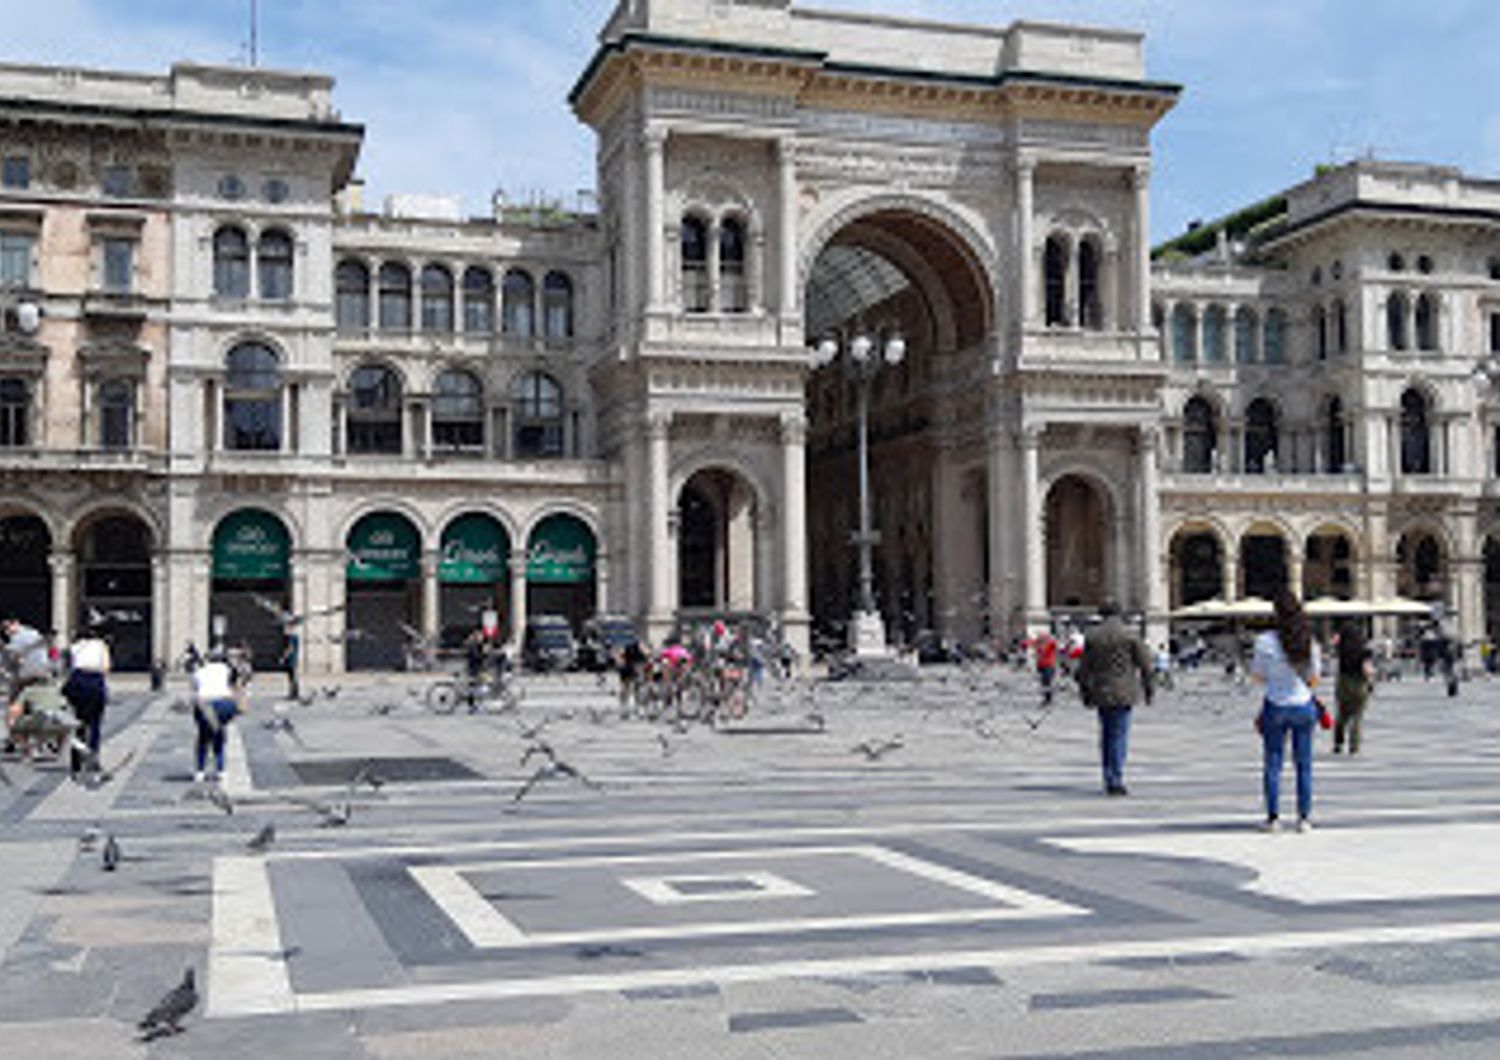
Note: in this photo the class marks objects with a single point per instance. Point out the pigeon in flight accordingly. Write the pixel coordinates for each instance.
(217, 796)
(167, 1016)
(262, 840)
(875, 750)
(556, 769)
(333, 814)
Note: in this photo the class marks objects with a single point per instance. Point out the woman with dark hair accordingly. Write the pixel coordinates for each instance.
(1286, 661)
(87, 693)
(1356, 672)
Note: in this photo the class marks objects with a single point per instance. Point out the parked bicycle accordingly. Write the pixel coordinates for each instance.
(488, 693)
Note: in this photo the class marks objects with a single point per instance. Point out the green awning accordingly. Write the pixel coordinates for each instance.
(384, 547)
(561, 552)
(252, 545)
(475, 551)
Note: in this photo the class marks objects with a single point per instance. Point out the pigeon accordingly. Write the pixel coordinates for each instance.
(383, 709)
(167, 1015)
(103, 777)
(875, 750)
(553, 770)
(89, 839)
(334, 815)
(532, 732)
(262, 840)
(666, 745)
(539, 747)
(5, 778)
(110, 859)
(330, 691)
(216, 795)
(365, 775)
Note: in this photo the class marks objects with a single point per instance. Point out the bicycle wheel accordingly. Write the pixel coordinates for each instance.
(442, 698)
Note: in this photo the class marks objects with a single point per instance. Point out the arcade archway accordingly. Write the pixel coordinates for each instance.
(888, 273)
(114, 586)
(25, 570)
(716, 542)
(1197, 567)
(1078, 574)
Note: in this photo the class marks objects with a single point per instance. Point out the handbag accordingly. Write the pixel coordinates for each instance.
(1325, 719)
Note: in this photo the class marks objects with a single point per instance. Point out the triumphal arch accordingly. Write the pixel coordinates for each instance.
(771, 178)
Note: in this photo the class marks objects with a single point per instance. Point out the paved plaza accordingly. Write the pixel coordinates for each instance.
(762, 893)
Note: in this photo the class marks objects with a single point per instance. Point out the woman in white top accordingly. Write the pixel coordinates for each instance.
(1286, 662)
(218, 703)
(87, 693)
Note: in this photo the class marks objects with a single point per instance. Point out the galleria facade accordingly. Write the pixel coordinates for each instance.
(228, 390)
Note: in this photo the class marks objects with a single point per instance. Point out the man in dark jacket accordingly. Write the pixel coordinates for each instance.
(1114, 676)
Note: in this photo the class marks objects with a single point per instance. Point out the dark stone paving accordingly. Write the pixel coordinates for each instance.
(801, 1019)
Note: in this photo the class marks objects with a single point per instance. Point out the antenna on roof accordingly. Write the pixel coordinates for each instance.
(254, 34)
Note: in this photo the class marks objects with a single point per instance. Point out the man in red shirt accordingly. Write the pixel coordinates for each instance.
(1044, 646)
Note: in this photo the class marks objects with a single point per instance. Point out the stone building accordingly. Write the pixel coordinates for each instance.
(393, 421)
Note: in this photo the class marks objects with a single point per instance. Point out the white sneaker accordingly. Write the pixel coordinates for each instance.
(1269, 825)
(198, 777)
(1304, 825)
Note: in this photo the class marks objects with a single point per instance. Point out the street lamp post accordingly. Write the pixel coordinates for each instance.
(861, 362)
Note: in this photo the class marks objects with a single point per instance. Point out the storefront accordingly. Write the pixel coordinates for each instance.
(114, 587)
(473, 577)
(560, 570)
(25, 574)
(383, 592)
(252, 562)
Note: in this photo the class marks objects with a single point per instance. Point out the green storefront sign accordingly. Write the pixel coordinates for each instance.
(384, 548)
(251, 546)
(561, 552)
(476, 551)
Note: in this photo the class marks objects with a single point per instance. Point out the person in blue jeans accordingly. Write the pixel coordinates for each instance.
(1286, 662)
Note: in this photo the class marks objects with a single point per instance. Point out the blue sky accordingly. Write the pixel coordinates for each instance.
(459, 96)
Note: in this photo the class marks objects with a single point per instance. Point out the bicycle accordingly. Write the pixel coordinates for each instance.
(488, 694)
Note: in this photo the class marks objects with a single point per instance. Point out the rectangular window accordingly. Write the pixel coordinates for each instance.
(15, 259)
(116, 181)
(119, 265)
(15, 413)
(1495, 332)
(16, 172)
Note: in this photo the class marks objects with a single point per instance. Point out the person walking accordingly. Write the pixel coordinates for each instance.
(1356, 676)
(1114, 674)
(1044, 646)
(291, 657)
(1286, 662)
(218, 702)
(87, 693)
(26, 664)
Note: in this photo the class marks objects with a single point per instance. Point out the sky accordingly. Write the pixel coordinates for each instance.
(459, 97)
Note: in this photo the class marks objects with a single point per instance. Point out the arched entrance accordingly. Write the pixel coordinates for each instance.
(25, 572)
(560, 569)
(894, 272)
(1197, 567)
(1077, 535)
(383, 591)
(473, 577)
(1328, 569)
(114, 586)
(252, 562)
(1263, 563)
(1492, 589)
(1421, 566)
(716, 542)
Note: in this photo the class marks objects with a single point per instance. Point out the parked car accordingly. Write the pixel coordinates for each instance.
(603, 636)
(548, 644)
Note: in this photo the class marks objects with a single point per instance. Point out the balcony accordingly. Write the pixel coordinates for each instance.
(43, 460)
(115, 306)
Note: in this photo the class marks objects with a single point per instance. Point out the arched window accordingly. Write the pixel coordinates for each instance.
(1246, 328)
(1090, 299)
(1320, 331)
(1274, 347)
(1184, 334)
(374, 411)
(458, 412)
(694, 265)
(231, 263)
(1395, 263)
(1200, 436)
(437, 299)
(273, 262)
(1055, 277)
(15, 413)
(1340, 326)
(1395, 321)
(479, 301)
(116, 414)
(395, 297)
(517, 295)
(557, 305)
(537, 408)
(351, 281)
(252, 398)
(1335, 442)
(734, 295)
(1426, 322)
(1215, 348)
(1260, 436)
(1416, 435)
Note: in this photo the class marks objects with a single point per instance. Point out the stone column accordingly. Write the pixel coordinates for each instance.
(999, 484)
(1140, 183)
(518, 564)
(659, 516)
(787, 234)
(1025, 171)
(1153, 597)
(430, 602)
(715, 302)
(655, 218)
(1231, 571)
(1033, 528)
(1295, 562)
(63, 617)
(602, 600)
(794, 519)
(161, 605)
